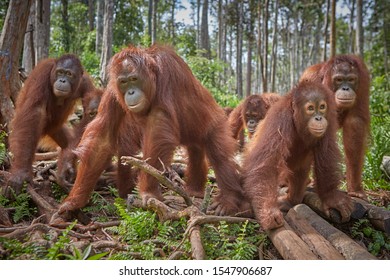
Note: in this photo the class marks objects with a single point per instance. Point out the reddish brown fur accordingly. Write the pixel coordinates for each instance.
(253, 107)
(282, 151)
(39, 112)
(179, 111)
(66, 165)
(354, 121)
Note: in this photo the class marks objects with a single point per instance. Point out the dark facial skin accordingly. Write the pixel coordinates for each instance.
(345, 80)
(252, 120)
(66, 79)
(131, 87)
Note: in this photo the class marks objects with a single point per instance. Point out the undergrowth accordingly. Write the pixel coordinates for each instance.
(377, 240)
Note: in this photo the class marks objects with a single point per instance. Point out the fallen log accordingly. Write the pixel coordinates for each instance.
(344, 244)
(316, 242)
(314, 202)
(289, 245)
(378, 216)
(197, 249)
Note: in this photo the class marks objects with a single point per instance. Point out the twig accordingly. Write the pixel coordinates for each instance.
(158, 175)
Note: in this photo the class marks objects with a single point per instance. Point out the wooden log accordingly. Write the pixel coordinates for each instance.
(343, 243)
(197, 250)
(316, 242)
(289, 245)
(378, 216)
(313, 201)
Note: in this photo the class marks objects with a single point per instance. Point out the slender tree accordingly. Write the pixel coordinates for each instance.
(359, 28)
(333, 29)
(99, 26)
(204, 30)
(11, 44)
(107, 39)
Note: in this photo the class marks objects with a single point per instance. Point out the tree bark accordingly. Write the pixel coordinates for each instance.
(204, 30)
(342, 242)
(324, 54)
(28, 60)
(265, 47)
(274, 47)
(359, 28)
(333, 30)
(99, 25)
(107, 39)
(42, 27)
(11, 44)
(239, 87)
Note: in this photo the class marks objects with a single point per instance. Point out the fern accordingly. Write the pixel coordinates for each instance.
(54, 251)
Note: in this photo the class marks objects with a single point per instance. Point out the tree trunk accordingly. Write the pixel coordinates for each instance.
(265, 47)
(65, 26)
(324, 54)
(274, 47)
(11, 43)
(42, 27)
(107, 39)
(359, 27)
(91, 14)
(28, 60)
(239, 49)
(333, 30)
(99, 26)
(351, 30)
(154, 21)
(204, 30)
(172, 28)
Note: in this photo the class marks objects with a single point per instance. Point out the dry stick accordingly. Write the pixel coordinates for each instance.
(342, 242)
(46, 156)
(316, 242)
(44, 207)
(21, 233)
(158, 175)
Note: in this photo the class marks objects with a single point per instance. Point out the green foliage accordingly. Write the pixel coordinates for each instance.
(54, 252)
(378, 240)
(379, 144)
(380, 96)
(142, 231)
(3, 149)
(128, 24)
(72, 36)
(232, 241)
(207, 72)
(137, 225)
(21, 204)
(12, 249)
(100, 205)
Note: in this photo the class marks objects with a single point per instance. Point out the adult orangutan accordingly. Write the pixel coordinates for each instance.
(250, 112)
(348, 78)
(42, 108)
(298, 130)
(154, 91)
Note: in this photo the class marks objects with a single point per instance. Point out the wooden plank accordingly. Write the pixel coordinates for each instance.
(344, 244)
(289, 245)
(315, 241)
(311, 199)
